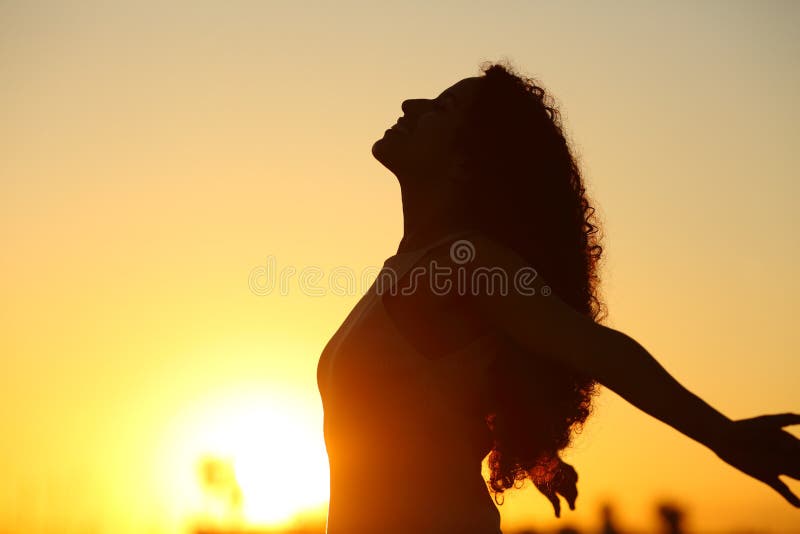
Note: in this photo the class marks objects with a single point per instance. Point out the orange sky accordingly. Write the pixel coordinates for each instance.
(154, 155)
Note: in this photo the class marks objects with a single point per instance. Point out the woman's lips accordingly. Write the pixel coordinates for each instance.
(403, 124)
(399, 128)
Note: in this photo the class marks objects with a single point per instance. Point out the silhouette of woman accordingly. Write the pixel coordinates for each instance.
(482, 334)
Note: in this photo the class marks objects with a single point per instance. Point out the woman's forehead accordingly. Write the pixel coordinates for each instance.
(463, 90)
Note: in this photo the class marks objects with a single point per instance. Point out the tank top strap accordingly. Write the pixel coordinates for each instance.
(397, 266)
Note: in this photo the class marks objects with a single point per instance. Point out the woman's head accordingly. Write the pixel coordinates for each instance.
(504, 147)
(421, 147)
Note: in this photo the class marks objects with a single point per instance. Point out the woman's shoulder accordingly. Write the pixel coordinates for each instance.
(478, 253)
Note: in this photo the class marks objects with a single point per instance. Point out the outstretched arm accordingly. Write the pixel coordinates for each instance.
(548, 326)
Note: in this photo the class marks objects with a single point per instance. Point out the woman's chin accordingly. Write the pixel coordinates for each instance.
(391, 151)
(381, 150)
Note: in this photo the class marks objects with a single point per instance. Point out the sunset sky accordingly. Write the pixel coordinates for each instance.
(153, 154)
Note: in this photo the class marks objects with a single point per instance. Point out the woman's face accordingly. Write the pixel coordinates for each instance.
(421, 146)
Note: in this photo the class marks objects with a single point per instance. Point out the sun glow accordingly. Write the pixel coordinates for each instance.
(255, 458)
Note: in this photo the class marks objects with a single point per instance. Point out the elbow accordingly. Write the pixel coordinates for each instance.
(608, 355)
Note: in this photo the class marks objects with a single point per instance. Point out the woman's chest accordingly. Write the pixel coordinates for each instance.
(373, 361)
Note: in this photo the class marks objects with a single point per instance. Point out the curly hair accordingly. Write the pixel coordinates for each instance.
(526, 189)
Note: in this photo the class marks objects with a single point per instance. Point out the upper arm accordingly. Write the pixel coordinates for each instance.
(547, 325)
(536, 319)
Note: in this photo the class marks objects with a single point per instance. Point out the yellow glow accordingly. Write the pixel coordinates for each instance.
(273, 447)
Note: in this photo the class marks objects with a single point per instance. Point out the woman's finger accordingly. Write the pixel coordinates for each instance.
(788, 442)
(791, 467)
(779, 419)
(787, 454)
(784, 490)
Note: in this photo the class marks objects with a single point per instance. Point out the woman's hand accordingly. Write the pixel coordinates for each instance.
(564, 482)
(761, 448)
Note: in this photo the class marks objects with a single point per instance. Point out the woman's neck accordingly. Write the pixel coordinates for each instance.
(429, 215)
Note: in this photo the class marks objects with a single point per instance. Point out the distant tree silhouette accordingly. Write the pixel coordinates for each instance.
(219, 480)
(672, 518)
(608, 527)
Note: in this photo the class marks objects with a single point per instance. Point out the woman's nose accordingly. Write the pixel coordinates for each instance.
(408, 106)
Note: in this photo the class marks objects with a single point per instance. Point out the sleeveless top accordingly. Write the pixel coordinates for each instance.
(405, 435)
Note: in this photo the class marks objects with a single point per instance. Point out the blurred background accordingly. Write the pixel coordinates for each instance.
(157, 156)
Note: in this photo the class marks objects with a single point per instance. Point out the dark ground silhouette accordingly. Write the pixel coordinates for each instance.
(670, 520)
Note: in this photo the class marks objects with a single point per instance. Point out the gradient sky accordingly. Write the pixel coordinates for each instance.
(153, 155)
